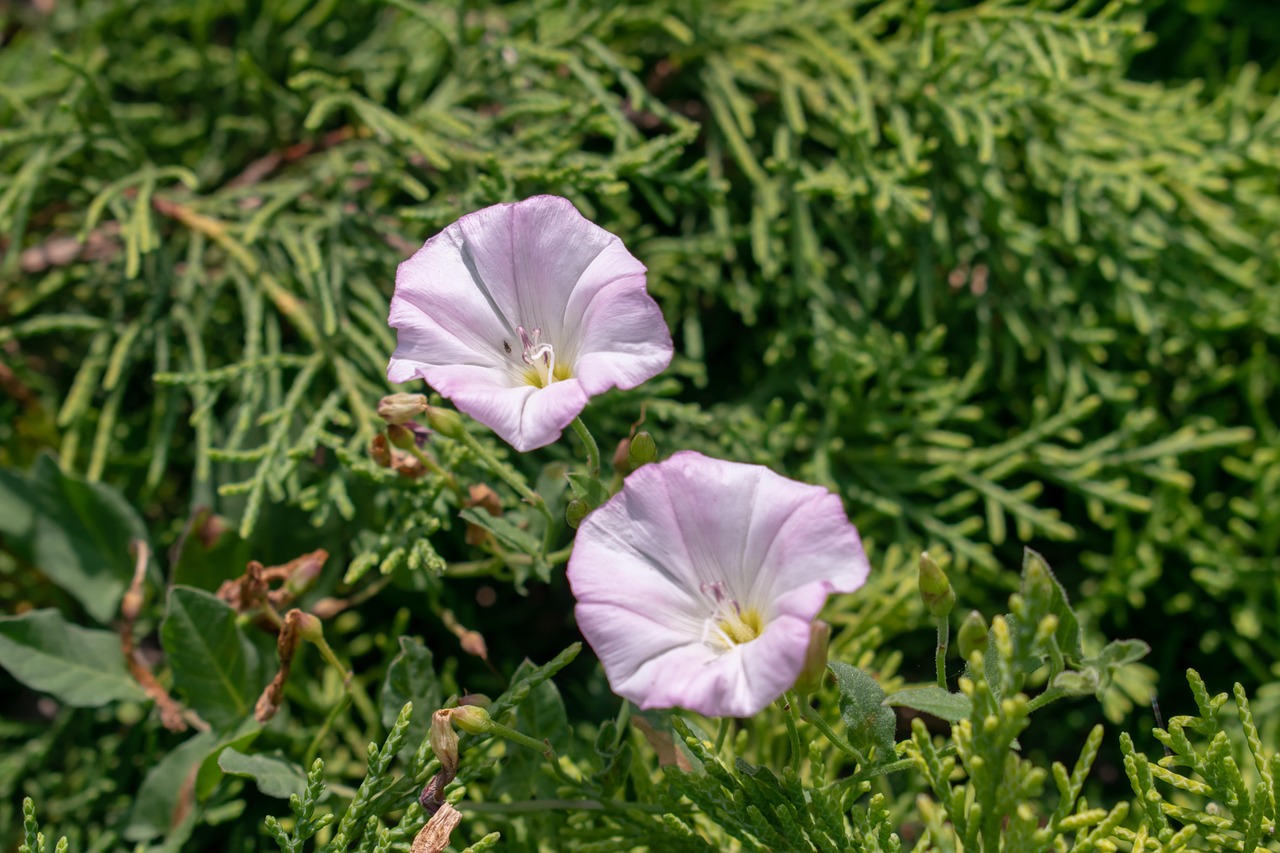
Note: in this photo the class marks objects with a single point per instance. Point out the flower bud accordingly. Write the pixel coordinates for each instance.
(478, 699)
(642, 451)
(973, 635)
(575, 512)
(935, 589)
(401, 408)
(444, 740)
(401, 437)
(309, 627)
(446, 422)
(472, 719)
(815, 658)
(621, 463)
(380, 451)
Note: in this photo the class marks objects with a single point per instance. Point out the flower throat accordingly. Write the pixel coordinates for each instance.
(541, 358)
(729, 624)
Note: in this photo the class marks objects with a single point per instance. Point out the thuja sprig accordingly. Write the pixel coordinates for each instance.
(33, 839)
(1240, 813)
(352, 826)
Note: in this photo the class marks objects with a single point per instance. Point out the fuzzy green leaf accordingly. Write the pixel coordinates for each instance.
(932, 699)
(411, 677)
(870, 723)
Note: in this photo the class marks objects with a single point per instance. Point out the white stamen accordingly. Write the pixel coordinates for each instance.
(535, 351)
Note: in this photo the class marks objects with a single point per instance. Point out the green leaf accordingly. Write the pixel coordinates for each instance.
(1044, 595)
(275, 775)
(587, 488)
(526, 679)
(74, 532)
(83, 667)
(932, 699)
(870, 723)
(213, 662)
(1114, 655)
(506, 532)
(411, 677)
(170, 792)
(542, 716)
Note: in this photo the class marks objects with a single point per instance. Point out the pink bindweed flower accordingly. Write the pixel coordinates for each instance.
(521, 312)
(696, 584)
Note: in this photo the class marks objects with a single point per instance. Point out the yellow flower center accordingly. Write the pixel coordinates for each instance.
(741, 627)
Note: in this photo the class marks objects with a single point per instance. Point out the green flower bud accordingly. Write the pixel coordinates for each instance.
(446, 422)
(935, 589)
(642, 451)
(575, 512)
(400, 436)
(815, 658)
(309, 627)
(973, 635)
(472, 719)
(401, 408)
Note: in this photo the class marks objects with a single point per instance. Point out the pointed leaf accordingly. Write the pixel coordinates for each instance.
(213, 662)
(275, 775)
(411, 677)
(80, 666)
(1045, 595)
(74, 532)
(932, 699)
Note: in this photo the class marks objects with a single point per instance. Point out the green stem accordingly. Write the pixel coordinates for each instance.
(793, 735)
(940, 656)
(523, 806)
(1053, 694)
(809, 715)
(434, 467)
(589, 442)
(725, 723)
(313, 748)
(508, 475)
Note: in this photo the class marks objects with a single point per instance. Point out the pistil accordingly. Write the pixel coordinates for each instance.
(538, 355)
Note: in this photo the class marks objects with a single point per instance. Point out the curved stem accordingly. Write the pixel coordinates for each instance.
(589, 442)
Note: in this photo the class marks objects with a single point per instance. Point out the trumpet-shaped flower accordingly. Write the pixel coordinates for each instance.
(521, 312)
(697, 583)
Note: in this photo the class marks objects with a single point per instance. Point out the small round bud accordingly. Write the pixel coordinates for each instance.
(643, 450)
(401, 408)
(815, 658)
(401, 437)
(446, 422)
(380, 451)
(973, 635)
(472, 719)
(575, 512)
(935, 589)
(309, 627)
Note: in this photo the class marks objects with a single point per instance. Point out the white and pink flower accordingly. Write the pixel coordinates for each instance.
(697, 583)
(519, 313)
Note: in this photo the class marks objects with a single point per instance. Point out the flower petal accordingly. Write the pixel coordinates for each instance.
(524, 416)
(646, 563)
(537, 264)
